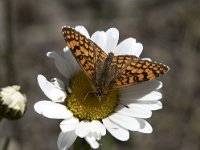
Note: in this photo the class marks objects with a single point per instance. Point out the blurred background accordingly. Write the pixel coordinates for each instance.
(169, 31)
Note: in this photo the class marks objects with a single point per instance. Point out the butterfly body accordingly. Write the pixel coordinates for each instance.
(102, 76)
(107, 72)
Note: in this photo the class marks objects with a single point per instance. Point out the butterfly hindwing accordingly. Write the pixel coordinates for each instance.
(133, 70)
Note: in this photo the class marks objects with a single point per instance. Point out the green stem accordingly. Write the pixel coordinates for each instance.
(85, 145)
(9, 51)
(81, 144)
(6, 144)
(77, 144)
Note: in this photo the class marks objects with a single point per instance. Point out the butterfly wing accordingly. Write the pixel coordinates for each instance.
(133, 70)
(125, 70)
(88, 54)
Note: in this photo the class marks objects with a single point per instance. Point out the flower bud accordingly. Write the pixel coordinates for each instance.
(12, 102)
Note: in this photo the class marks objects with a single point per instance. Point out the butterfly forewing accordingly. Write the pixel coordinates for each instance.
(87, 53)
(133, 70)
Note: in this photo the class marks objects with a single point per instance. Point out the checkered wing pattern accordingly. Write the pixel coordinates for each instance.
(133, 70)
(124, 70)
(88, 54)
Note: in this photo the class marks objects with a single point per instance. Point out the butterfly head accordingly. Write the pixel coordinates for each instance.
(99, 93)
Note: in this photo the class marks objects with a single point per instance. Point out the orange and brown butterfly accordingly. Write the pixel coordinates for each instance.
(106, 71)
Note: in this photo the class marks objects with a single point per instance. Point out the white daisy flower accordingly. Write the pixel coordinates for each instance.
(12, 102)
(118, 112)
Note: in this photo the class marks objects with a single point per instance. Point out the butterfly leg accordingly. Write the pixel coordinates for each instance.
(99, 97)
(88, 94)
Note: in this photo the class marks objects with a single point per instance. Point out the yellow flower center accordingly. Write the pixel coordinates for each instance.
(84, 104)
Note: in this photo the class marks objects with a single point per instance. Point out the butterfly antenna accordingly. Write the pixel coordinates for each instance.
(85, 96)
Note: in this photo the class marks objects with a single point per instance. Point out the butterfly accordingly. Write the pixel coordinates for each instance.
(107, 72)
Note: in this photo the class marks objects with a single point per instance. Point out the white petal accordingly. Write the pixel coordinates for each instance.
(151, 105)
(82, 30)
(140, 111)
(160, 85)
(116, 131)
(97, 126)
(134, 111)
(153, 96)
(148, 86)
(58, 83)
(69, 124)
(126, 47)
(66, 139)
(146, 59)
(138, 49)
(100, 38)
(63, 66)
(139, 91)
(125, 121)
(57, 95)
(112, 39)
(52, 110)
(145, 127)
(83, 129)
(53, 92)
(71, 61)
(92, 141)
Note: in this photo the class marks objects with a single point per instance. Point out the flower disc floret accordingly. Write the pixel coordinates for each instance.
(84, 104)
